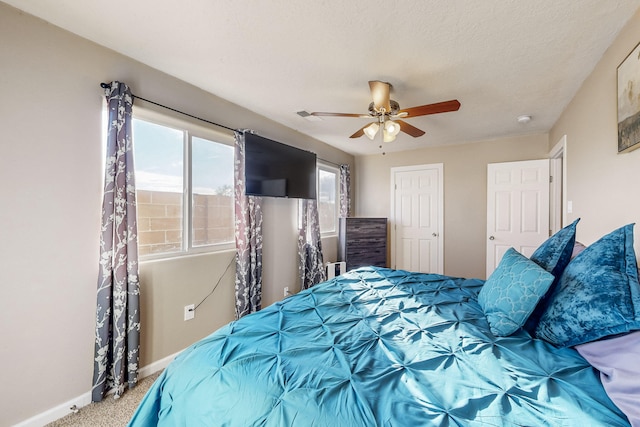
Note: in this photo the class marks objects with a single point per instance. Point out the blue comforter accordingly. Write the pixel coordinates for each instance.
(376, 347)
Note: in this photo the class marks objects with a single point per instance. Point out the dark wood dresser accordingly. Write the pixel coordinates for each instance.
(363, 242)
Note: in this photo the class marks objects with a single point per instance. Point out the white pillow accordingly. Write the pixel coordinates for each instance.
(617, 360)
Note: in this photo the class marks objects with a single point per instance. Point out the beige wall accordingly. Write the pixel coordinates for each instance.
(602, 184)
(50, 179)
(465, 193)
(166, 286)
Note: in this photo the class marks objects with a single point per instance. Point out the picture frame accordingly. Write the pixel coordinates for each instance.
(629, 102)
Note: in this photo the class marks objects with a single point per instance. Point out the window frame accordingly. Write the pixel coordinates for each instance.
(327, 167)
(189, 129)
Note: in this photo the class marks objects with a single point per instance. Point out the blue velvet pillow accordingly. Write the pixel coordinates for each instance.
(512, 291)
(553, 255)
(598, 294)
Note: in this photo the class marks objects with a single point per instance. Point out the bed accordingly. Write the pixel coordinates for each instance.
(383, 347)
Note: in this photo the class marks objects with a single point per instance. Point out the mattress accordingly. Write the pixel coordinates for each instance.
(376, 347)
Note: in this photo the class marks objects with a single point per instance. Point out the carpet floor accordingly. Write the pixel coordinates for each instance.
(110, 412)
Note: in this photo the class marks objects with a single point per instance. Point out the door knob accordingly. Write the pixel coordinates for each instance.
(434, 234)
(491, 238)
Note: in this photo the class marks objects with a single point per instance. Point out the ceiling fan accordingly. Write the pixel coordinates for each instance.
(387, 113)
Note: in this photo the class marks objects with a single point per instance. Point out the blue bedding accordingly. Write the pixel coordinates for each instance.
(376, 347)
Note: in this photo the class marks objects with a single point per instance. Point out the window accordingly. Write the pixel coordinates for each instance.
(328, 198)
(184, 181)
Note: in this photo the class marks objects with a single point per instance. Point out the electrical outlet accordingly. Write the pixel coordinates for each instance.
(286, 291)
(189, 312)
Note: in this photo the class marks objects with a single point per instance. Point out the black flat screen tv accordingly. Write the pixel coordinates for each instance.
(274, 169)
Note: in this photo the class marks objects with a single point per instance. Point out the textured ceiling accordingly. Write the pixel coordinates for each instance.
(499, 58)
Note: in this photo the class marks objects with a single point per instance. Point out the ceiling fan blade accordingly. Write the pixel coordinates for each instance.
(359, 132)
(380, 92)
(438, 107)
(318, 113)
(409, 129)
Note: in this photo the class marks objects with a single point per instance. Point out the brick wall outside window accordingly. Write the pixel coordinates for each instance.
(212, 219)
(160, 221)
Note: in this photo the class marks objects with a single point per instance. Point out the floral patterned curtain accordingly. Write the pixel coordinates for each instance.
(311, 265)
(345, 191)
(248, 232)
(117, 315)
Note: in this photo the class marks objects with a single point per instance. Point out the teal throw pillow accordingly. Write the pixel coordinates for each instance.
(512, 291)
(553, 255)
(598, 294)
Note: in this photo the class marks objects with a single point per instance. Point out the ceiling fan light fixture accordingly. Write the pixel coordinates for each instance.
(371, 130)
(392, 128)
(390, 131)
(388, 137)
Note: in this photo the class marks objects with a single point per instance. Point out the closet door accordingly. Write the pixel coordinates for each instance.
(417, 223)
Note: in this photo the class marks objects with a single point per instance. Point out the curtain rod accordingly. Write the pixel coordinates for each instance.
(107, 85)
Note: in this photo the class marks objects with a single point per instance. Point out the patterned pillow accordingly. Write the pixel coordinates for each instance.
(553, 255)
(512, 291)
(598, 294)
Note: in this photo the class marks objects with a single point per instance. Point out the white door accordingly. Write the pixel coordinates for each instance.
(416, 220)
(517, 208)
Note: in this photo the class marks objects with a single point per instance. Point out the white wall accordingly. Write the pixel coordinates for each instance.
(50, 186)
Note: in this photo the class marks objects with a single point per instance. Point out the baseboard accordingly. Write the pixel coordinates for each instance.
(154, 367)
(56, 412)
(63, 409)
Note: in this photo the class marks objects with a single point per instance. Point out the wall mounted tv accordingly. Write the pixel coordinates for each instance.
(278, 170)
